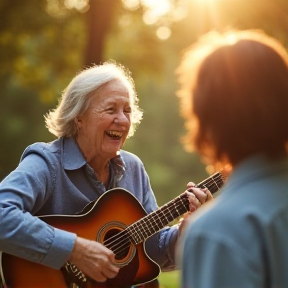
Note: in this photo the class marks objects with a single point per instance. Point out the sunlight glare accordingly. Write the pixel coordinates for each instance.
(179, 13)
(79, 5)
(149, 18)
(204, 1)
(163, 32)
(54, 9)
(69, 4)
(131, 5)
(125, 20)
(159, 7)
(160, 13)
(231, 38)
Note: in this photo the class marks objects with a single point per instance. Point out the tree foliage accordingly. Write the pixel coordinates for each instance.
(44, 43)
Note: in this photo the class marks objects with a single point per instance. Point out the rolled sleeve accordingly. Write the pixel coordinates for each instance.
(167, 244)
(161, 247)
(60, 250)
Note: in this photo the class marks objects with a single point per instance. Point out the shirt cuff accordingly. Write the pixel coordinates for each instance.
(170, 242)
(60, 249)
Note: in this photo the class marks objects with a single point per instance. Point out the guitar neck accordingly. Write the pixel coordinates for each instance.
(155, 221)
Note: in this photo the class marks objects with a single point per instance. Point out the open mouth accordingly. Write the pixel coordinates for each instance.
(114, 134)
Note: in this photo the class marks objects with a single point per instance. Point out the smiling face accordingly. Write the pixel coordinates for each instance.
(103, 128)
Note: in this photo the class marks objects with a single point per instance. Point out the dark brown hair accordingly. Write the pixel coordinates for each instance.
(234, 95)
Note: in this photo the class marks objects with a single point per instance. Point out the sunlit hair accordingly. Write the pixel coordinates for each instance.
(76, 98)
(234, 95)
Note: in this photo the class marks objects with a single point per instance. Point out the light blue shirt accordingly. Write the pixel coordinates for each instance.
(54, 178)
(241, 241)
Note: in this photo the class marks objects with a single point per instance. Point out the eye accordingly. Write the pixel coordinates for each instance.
(128, 110)
(110, 110)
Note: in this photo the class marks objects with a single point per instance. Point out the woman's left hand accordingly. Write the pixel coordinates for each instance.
(197, 196)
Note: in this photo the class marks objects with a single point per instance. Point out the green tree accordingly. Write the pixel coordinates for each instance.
(37, 60)
(44, 43)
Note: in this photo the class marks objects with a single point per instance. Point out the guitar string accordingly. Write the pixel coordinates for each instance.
(217, 178)
(164, 212)
(124, 243)
(163, 209)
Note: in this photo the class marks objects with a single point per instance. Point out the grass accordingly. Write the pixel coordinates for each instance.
(169, 279)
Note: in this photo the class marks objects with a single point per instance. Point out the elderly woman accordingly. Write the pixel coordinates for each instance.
(237, 87)
(95, 115)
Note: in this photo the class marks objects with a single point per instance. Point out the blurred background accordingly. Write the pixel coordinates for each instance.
(44, 43)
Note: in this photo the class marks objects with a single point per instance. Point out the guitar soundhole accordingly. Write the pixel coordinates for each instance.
(114, 236)
(120, 252)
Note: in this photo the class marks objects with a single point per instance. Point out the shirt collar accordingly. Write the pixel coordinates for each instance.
(73, 159)
(72, 156)
(255, 167)
(118, 166)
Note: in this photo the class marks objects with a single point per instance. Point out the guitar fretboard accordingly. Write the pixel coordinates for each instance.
(155, 221)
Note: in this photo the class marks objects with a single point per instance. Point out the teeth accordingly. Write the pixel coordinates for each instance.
(115, 134)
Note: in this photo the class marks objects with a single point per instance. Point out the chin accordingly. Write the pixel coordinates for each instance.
(114, 153)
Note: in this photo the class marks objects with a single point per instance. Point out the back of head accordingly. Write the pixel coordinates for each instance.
(237, 83)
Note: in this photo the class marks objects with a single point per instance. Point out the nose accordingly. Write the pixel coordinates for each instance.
(122, 118)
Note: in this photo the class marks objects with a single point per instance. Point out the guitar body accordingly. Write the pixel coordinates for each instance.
(96, 223)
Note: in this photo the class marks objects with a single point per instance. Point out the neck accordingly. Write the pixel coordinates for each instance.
(102, 172)
(99, 164)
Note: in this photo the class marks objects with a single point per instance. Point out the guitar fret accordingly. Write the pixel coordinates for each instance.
(182, 207)
(173, 212)
(173, 205)
(151, 228)
(144, 228)
(162, 216)
(160, 223)
(119, 242)
(153, 222)
(217, 180)
(149, 225)
(216, 184)
(158, 219)
(135, 236)
(166, 217)
(141, 230)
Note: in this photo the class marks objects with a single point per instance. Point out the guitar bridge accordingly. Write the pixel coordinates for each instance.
(74, 277)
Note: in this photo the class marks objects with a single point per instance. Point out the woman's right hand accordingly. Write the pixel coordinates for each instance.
(94, 259)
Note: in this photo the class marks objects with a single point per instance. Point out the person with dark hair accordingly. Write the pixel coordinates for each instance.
(86, 165)
(234, 98)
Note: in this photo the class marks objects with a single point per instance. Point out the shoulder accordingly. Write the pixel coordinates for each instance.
(214, 219)
(135, 170)
(203, 216)
(130, 158)
(223, 222)
(42, 148)
(41, 152)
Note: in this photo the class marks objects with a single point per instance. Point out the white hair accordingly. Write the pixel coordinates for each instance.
(75, 98)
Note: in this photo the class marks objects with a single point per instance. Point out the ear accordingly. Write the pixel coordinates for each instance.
(78, 123)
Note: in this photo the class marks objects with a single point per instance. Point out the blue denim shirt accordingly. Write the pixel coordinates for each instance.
(241, 240)
(54, 178)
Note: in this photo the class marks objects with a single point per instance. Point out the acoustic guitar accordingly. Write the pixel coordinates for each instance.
(118, 221)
